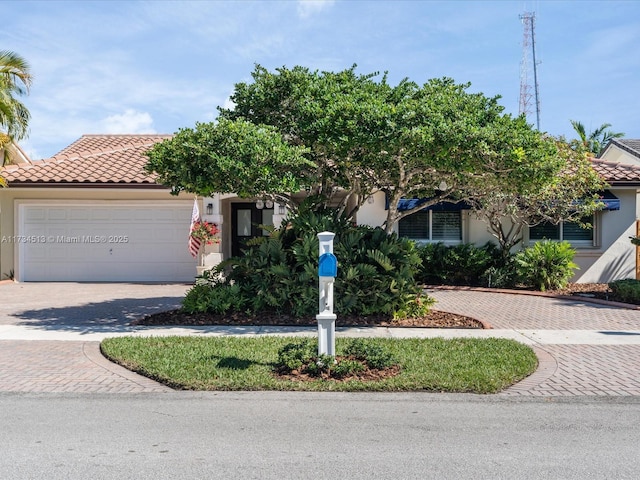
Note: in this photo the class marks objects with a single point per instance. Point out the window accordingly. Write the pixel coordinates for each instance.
(569, 231)
(429, 225)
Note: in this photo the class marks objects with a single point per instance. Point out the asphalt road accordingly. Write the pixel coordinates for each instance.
(276, 435)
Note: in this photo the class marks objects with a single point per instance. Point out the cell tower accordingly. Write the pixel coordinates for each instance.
(529, 46)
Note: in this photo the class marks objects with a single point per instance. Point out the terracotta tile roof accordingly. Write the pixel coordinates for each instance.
(617, 173)
(118, 160)
(93, 159)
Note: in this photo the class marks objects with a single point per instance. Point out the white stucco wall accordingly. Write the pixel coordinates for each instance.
(614, 258)
(373, 214)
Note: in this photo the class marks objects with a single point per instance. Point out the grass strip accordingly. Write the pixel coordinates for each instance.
(246, 363)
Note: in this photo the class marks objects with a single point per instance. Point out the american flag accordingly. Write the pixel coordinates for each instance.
(194, 243)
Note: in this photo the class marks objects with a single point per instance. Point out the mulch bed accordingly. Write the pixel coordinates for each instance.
(367, 375)
(588, 290)
(435, 319)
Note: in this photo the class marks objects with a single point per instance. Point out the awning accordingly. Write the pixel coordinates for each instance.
(611, 202)
(411, 203)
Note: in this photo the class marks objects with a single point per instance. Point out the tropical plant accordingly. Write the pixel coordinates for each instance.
(547, 265)
(597, 139)
(15, 80)
(278, 273)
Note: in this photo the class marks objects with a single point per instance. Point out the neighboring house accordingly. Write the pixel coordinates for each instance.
(621, 150)
(91, 213)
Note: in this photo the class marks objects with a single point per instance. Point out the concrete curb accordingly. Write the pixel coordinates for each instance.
(547, 367)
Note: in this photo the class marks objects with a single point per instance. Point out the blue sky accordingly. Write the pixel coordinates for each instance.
(157, 66)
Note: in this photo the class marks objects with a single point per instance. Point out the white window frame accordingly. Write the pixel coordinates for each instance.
(447, 241)
(593, 243)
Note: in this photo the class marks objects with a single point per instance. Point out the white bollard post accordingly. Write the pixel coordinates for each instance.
(327, 272)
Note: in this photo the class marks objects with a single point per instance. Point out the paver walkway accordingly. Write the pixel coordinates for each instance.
(65, 366)
(49, 337)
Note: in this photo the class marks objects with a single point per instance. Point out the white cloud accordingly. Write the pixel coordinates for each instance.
(131, 121)
(306, 8)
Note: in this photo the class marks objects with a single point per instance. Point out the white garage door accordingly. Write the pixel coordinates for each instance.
(105, 242)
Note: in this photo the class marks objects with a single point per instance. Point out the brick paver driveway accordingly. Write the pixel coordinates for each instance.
(77, 311)
(584, 349)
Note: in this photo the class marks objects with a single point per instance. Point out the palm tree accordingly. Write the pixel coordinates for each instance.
(15, 80)
(597, 139)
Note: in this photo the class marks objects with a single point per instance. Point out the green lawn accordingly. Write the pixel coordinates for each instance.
(240, 363)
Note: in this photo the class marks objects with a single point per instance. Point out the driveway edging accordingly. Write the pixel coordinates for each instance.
(534, 293)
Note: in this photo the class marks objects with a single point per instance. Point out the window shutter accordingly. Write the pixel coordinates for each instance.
(415, 226)
(447, 226)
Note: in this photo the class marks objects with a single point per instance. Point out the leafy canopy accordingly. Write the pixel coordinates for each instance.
(565, 188)
(15, 80)
(595, 141)
(345, 136)
(229, 157)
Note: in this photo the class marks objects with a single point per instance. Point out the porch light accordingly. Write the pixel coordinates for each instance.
(281, 208)
(209, 208)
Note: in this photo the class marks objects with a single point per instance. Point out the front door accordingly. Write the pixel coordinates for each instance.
(245, 218)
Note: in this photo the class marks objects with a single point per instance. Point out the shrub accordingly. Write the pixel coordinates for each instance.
(221, 299)
(502, 276)
(359, 354)
(278, 273)
(375, 355)
(416, 308)
(463, 264)
(627, 290)
(294, 355)
(547, 265)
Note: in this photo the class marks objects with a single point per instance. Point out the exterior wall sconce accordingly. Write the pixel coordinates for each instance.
(281, 209)
(209, 208)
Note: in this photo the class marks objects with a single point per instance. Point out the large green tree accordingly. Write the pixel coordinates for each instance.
(595, 141)
(346, 136)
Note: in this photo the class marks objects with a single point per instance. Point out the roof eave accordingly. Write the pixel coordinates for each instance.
(150, 186)
(624, 183)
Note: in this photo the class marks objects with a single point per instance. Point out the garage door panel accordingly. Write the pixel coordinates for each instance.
(35, 214)
(79, 214)
(107, 243)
